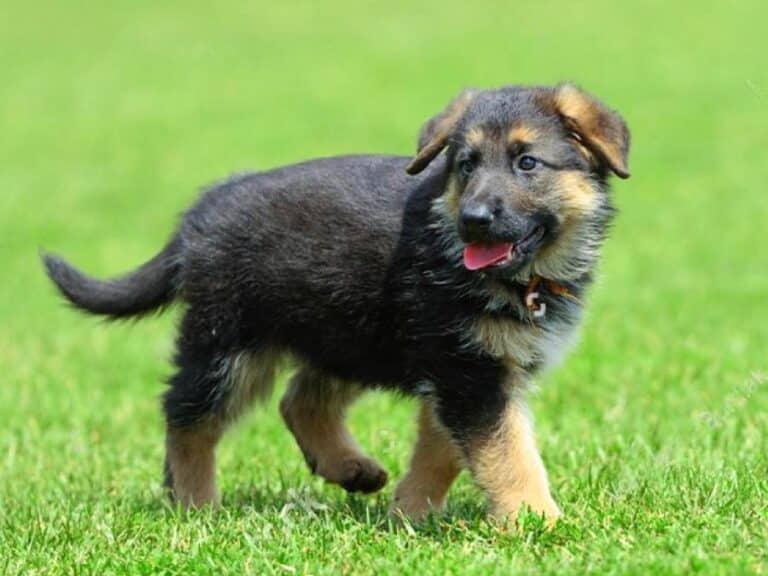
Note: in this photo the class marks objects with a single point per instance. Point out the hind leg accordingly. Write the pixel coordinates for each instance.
(207, 393)
(194, 425)
(313, 409)
(190, 463)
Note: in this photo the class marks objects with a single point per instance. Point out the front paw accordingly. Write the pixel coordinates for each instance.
(415, 501)
(541, 504)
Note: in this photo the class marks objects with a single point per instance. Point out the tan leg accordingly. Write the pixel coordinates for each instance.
(190, 463)
(507, 466)
(435, 463)
(313, 409)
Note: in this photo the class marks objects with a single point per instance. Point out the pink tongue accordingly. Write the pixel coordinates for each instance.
(477, 256)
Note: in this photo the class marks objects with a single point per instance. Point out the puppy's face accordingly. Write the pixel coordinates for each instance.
(527, 168)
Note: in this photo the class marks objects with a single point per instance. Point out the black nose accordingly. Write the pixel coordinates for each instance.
(476, 220)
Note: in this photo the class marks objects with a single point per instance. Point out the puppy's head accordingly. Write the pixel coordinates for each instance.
(527, 172)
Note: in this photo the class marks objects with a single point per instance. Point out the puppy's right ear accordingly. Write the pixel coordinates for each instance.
(437, 130)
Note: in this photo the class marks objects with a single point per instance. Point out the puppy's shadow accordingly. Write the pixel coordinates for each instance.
(465, 515)
(308, 501)
(305, 502)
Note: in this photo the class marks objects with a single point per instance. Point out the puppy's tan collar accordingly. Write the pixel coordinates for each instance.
(531, 293)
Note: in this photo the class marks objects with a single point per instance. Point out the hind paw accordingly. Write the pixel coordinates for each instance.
(362, 475)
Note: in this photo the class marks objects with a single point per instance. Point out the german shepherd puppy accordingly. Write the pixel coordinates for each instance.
(453, 276)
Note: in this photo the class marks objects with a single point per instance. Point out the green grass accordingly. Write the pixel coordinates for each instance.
(653, 430)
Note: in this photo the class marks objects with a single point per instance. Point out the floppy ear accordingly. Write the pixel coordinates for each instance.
(594, 125)
(437, 130)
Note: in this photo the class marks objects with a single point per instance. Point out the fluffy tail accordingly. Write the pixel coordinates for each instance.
(147, 288)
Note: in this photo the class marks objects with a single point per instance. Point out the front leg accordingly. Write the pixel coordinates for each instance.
(506, 464)
(435, 463)
(495, 430)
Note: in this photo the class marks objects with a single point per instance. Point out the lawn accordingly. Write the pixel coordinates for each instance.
(112, 115)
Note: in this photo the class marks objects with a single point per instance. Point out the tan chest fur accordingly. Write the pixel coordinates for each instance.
(518, 345)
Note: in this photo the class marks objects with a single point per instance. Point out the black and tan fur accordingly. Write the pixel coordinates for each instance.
(352, 266)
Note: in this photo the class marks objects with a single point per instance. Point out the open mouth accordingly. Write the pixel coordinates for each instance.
(480, 255)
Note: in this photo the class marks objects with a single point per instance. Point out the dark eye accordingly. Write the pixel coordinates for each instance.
(466, 167)
(527, 163)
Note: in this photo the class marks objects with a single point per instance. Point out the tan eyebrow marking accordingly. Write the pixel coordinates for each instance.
(522, 133)
(475, 136)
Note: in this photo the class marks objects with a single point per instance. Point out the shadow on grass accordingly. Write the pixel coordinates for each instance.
(465, 519)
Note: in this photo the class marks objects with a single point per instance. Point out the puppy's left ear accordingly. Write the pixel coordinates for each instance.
(437, 131)
(595, 125)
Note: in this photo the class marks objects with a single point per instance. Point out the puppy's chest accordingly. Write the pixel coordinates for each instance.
(525, 346)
